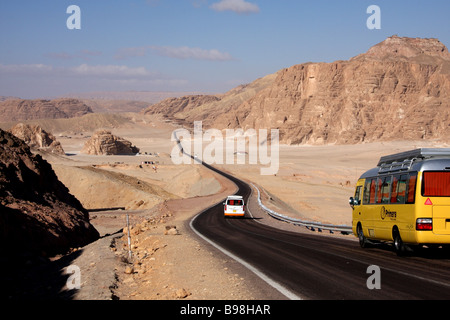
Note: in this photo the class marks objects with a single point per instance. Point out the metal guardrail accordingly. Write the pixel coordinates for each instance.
(308, 224)
(313, 226)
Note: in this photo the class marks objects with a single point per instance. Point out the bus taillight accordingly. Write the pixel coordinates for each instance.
(425, 224)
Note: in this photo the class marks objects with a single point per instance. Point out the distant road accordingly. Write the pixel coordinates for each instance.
(311, 266)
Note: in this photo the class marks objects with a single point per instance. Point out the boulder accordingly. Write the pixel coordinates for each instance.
(103, 142)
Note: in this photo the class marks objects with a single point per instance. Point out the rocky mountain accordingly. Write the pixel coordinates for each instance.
(37, 138)
(20, 109)
(208, 108)
(397, 90)
(103, 142)
(37, 212)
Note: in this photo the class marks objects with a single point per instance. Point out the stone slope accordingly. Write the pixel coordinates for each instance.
(37, 212)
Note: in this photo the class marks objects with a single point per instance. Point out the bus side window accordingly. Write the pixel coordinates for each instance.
(357, 198)
(401, 190)
(379, 186)
(394, 189)
(366, 195)
(385, 189)
(373, 185)
(411, 188)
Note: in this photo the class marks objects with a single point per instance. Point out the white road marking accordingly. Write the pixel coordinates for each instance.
(286, 292)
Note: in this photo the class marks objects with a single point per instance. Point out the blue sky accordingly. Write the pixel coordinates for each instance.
(190, 45)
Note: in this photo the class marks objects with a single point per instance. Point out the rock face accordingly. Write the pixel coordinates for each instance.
(37, 212)
(103, 142)
(37, 138)
(398, 90)
(21, 110)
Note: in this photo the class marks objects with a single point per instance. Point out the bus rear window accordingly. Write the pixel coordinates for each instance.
(436, 184)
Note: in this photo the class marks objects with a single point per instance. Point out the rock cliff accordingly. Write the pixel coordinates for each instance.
(37, 212)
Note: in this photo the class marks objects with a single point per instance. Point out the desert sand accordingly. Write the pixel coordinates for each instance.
(312, 183)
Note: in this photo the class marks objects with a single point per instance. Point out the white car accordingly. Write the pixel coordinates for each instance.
(234, 206)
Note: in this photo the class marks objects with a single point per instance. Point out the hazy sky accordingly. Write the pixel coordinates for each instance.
(189, 45)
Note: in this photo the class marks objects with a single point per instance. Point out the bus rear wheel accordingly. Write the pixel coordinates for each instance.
(362, 239)
(399, 247)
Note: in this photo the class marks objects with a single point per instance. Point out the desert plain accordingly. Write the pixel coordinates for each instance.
(170, 261)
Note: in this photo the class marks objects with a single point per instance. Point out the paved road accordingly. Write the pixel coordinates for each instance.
(319, 267)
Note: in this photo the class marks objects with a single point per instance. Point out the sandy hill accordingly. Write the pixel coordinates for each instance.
(20, 109)
(397, 90)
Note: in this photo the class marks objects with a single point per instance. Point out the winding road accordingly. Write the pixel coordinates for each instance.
(317, 267)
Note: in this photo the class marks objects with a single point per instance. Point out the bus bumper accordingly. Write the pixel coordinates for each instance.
(428, 237)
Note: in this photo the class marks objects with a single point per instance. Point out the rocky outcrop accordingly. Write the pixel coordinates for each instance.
(103, 142)
(37, 212)
(21, 110)
(398, 90)
(37, 138)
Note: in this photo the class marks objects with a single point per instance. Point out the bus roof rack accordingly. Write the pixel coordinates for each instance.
(410, 156)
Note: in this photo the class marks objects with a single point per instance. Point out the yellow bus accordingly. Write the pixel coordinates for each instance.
(404, 200)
